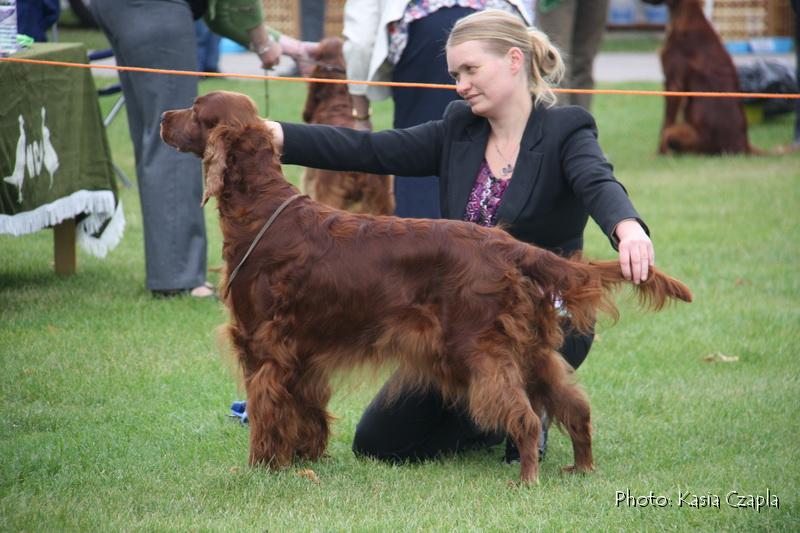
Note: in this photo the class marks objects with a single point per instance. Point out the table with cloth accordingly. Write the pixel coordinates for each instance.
(55, 163)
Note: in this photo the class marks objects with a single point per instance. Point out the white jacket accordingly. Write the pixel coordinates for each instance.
(366, 45)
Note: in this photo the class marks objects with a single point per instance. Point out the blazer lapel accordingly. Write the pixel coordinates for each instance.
(526, 171)
(465, 160)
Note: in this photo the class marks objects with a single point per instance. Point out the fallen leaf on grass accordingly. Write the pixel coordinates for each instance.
(308, 474)
(741, 281)
(718, 357)
(234, 470)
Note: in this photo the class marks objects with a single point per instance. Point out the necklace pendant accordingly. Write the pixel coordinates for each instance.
(506, 170)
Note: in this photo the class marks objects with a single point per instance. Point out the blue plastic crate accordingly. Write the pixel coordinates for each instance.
(226, 46)
(656, 14)
(738, 47)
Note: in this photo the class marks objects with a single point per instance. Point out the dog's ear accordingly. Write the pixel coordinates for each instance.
(215, 163)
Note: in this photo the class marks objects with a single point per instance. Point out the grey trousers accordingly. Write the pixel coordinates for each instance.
(576, 27)
(160, 34)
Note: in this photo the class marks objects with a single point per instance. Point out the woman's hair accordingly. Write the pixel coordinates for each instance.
(500, 31)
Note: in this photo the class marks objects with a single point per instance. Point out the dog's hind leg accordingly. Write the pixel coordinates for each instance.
(566, 402)
(497, 400)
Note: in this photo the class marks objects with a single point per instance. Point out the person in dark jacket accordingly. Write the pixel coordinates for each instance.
(35, 17)
(505, 156)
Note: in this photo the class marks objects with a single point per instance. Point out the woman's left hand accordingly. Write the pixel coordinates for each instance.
(304, 53)
(636, 254)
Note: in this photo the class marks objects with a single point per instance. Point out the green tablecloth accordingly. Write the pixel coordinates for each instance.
(55, 162)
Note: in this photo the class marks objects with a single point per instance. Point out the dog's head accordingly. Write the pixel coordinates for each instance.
(330, 52)
(207, 128)
(330, 66)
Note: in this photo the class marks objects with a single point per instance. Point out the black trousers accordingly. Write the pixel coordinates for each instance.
(420, 426)
(423, 61)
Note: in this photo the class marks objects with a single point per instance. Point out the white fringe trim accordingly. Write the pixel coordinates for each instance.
(98, 204)
(109, 239)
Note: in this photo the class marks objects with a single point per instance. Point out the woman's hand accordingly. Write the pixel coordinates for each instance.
(362, 113)
(265, 46)
(304, 53)
(636, 254)
(277, 134)
(270, 56)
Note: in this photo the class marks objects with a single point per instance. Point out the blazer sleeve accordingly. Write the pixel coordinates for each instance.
(413, 151)
(591, 176)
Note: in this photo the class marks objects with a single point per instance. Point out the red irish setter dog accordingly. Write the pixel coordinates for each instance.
(464, 308)
(331, 103)
(694, 59)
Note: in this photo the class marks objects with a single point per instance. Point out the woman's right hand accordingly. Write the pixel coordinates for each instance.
(277, 134)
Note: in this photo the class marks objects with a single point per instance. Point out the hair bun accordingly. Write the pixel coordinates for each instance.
(546, 57)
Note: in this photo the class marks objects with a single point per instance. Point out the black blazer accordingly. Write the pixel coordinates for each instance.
(560, 178)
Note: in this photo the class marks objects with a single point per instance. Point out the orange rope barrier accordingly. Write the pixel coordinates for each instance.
(389, 84)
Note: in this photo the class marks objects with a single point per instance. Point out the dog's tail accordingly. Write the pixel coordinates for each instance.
(778, 150)
(585, 288)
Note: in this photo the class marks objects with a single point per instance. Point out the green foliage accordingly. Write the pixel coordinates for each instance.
(115, 403)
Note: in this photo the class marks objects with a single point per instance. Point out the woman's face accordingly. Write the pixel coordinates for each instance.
(485, 80)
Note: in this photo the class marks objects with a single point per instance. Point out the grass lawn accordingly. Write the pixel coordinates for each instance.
(114, 403)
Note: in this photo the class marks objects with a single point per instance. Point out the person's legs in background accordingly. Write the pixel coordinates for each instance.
(587, 36)
(207, 47)
(170, 183)
(424, 61)
(557, 20)
(577, 28)
(34, 18)
(796, 6)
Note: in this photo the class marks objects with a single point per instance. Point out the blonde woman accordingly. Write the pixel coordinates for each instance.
(505, 155)
(403, 41)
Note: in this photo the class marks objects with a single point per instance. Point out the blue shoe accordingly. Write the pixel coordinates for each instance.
(238, 410)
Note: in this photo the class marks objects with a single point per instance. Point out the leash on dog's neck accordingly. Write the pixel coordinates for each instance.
(328, 67)
(260, 234)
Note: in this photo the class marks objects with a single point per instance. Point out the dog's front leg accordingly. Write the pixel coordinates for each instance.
(313, 392)
(274, 417)
(675, 74)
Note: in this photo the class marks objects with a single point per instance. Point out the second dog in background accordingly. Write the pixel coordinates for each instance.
(694, 59)
(331, 103)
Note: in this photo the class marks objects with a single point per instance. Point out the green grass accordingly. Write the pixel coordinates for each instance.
(114, 403)
(626, 41)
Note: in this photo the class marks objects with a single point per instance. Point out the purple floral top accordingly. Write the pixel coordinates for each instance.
(485, 197)
(417, 9)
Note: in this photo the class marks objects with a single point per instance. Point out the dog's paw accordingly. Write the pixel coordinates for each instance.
(518, 484)
(572, 469)
(309, 475)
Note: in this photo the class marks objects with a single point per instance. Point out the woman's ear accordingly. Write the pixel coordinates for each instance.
(516, 59)
(215, 163)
